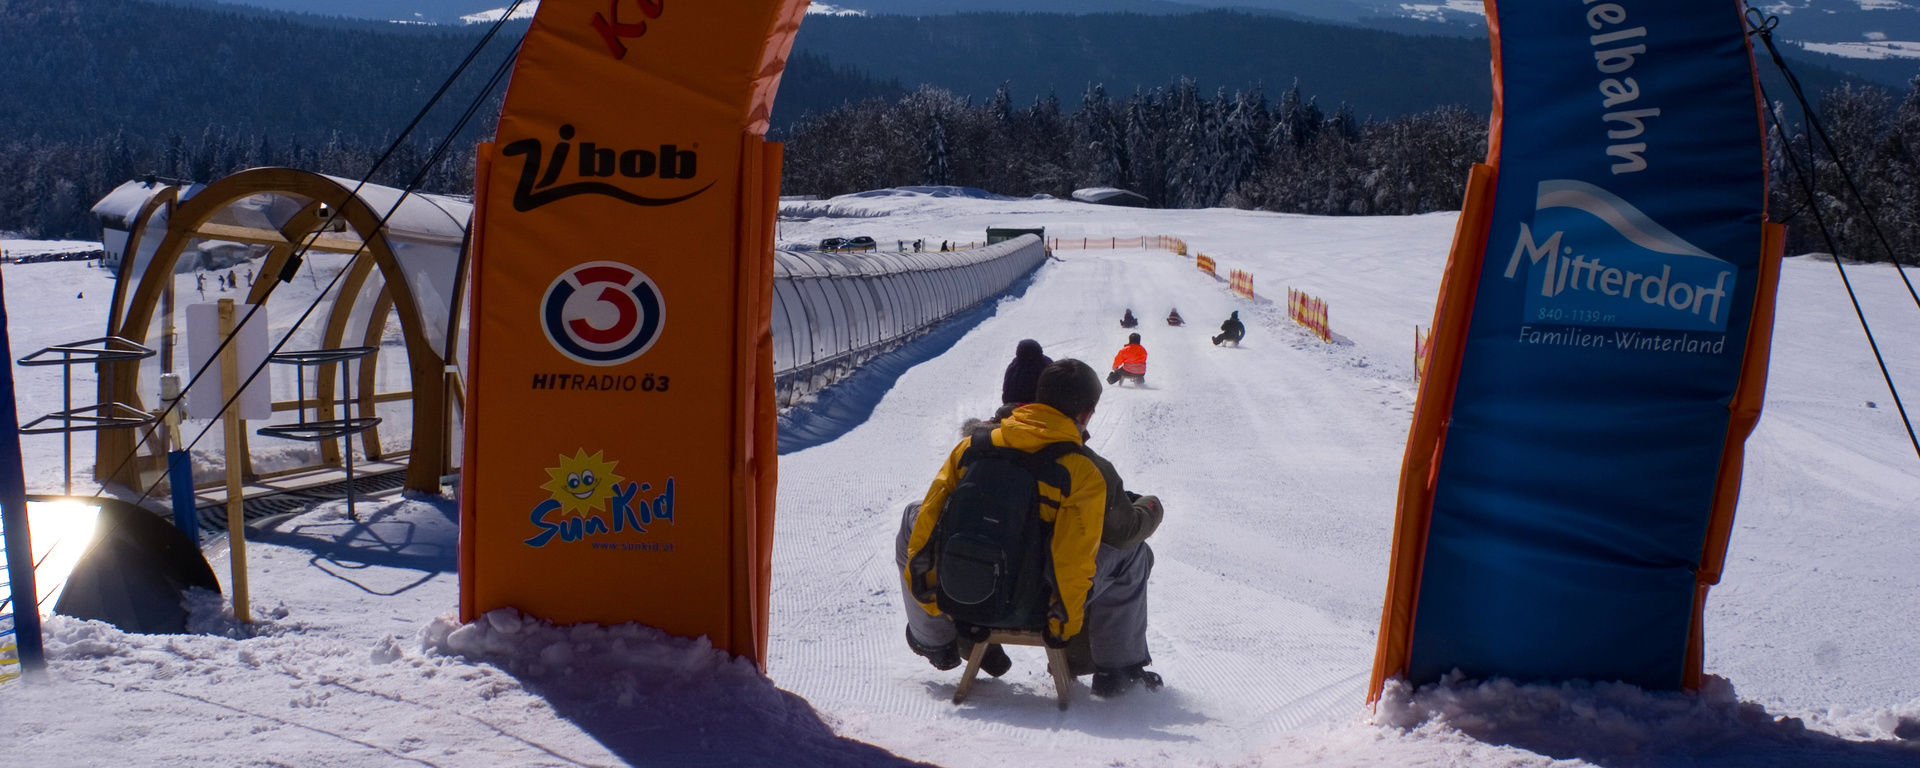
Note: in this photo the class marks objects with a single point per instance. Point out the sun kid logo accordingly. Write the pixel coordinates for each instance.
(584, 485)
(613, 31)
(602, 313)
(1635, 283)
(539, 182)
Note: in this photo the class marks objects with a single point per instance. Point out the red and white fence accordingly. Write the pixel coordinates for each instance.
(1422, 349)
(1310, 313)
(1241, 283)
(1205, 263)
(1158, 242)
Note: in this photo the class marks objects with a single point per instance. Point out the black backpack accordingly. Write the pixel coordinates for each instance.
(993, 547)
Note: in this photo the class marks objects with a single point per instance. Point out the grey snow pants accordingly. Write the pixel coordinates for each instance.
(1116, 615)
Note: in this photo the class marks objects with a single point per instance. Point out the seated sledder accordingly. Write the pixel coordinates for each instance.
(1127, 320)
(1094, 594)
(1130, 363)
(1231, 330)
(1174, 319)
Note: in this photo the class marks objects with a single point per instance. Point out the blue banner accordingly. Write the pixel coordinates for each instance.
(25, 602)
(1577, 478)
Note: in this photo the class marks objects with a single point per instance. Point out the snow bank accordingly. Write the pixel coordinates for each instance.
(49, 250)
(525, 11)
(823, 9)
(626, 664)
(887, 202)
(1616, 724)
(700, 699)
(1877, 50)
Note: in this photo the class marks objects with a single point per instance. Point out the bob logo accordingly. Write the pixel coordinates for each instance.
(602, 313)
(612, 30)
(541, 175)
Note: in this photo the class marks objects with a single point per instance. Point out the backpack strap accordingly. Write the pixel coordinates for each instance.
(1043, 464)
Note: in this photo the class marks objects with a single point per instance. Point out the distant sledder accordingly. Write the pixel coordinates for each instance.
(1127, 320)
(1174, 319)
(1130, 364)
(1231, 331)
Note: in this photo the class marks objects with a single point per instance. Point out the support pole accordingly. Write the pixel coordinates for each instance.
(66, 437)
(346, 438)
(13, 516)
(179, 462)
(166, 328)
(230, 419)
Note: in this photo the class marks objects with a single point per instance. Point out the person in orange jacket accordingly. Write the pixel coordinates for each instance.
(1130, 362)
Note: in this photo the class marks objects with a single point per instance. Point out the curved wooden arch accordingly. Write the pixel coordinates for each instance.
(335, 335)
(187, 223)
(366, 388)
(166, 196)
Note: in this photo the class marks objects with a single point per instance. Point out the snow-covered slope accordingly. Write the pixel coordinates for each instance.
(1276, 461)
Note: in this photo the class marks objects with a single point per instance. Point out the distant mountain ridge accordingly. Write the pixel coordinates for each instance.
(1803, 21)
(838, 59)
(1844, 35)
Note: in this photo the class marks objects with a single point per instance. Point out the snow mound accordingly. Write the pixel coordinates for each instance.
(975, 193)
(609, 678)
(525, 11)
(823, 9)
(21, 249)
(1876, 50)
(1616, 724)
(624, 664)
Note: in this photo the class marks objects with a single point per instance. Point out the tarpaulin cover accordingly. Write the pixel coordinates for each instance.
(136, 572)
(1602, 338)
(619, 458)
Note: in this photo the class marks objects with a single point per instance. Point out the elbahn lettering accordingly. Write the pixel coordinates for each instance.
(1613, 59)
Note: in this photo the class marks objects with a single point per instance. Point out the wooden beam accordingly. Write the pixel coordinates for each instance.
(238, 234)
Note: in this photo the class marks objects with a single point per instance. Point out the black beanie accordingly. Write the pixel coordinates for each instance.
(1070, 386)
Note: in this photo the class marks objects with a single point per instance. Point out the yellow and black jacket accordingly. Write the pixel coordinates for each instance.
(1077, 521)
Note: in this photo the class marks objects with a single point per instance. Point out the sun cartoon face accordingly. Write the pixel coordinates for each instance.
(582, 483)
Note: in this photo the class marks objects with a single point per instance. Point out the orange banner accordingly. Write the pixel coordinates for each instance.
(619, 462)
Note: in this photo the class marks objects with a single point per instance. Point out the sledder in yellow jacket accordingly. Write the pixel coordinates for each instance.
(1077, 521)
(1099, 555)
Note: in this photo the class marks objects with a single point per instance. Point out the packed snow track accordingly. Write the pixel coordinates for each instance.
(1262, 614)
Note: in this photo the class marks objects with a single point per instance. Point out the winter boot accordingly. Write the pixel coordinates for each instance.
(942, 657)
(1080, 656)
(994, 662)
(1108, 683)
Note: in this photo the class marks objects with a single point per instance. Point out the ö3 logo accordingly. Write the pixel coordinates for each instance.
(602, 313)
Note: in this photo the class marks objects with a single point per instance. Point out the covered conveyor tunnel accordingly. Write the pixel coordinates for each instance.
(835, 311)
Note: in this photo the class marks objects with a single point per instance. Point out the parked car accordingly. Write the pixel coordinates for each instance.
(833, 243)
(861, 243)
